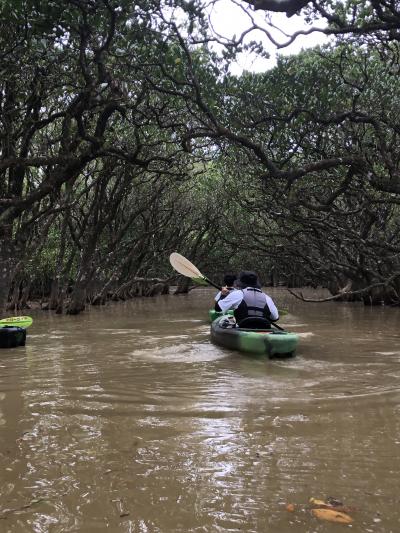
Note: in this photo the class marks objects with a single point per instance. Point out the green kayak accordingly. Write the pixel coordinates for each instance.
(272, 342)
(213, 314)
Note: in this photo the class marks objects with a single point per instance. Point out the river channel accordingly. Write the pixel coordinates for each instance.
(127, 419)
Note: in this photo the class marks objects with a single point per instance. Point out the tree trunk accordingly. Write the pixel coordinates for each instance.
(54, 293)
(26, 289)
(101, 296)
(14, 295)
(78, 298)
(7, 266)
(183, 286)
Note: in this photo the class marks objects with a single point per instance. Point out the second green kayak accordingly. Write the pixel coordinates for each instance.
(271, 342)
(213, 314)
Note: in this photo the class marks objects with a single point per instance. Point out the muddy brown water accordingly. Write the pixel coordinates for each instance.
(127, 419)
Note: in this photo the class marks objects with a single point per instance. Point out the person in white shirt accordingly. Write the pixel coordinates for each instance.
(251, 306)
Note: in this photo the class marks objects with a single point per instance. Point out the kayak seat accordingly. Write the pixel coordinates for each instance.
(255, 322)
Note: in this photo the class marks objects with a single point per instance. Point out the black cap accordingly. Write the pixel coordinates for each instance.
(248, 278)
(229, 279)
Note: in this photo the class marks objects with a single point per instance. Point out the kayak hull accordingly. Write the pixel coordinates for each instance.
(12, 336)
(271, 342)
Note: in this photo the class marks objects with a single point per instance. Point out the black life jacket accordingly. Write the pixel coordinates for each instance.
(254, 304)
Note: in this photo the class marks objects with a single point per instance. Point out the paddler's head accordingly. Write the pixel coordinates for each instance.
(248, 278)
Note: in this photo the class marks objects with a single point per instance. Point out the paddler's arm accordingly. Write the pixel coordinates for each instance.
(221, 295)
(231, 301)
(273, 311)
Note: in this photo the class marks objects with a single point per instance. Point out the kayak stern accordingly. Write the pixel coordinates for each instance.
(271, 342)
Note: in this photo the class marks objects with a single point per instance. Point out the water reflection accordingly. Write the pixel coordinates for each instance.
(128, 419)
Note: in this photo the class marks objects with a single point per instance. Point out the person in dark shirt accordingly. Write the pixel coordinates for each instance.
(229, 286)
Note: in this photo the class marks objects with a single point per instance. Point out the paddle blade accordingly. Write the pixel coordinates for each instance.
(20, 321)
(184, 266)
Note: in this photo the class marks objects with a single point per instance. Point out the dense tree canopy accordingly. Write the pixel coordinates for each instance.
(125, 136)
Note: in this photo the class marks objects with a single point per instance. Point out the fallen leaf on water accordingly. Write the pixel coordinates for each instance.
(332, 516)
(314, 501)
(331, 503)
(290, 507)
